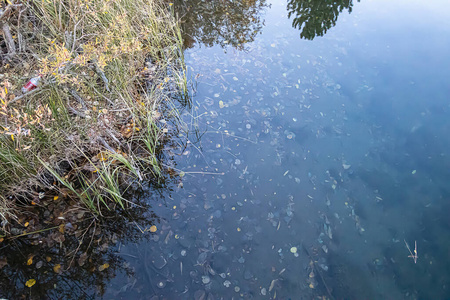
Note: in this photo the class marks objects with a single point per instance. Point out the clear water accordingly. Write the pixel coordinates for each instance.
(337, 145)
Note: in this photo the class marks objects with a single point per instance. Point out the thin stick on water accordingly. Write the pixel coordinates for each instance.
(413, 256)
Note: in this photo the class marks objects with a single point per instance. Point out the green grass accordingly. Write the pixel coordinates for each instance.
(99, 102)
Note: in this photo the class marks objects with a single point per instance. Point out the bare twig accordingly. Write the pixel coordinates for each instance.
(103, 77)
(78, 98)
(104, 143)
(413, 256)
(318, 272)
(10, 45)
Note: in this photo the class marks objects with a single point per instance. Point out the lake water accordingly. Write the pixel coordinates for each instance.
(318, 161)
(314, 159)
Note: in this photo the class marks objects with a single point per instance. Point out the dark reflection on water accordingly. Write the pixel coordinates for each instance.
(221, 23)
(315, 17)
(75, 261)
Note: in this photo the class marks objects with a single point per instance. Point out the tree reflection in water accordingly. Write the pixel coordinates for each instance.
(76, 267)
(315, 17)
(220, 22)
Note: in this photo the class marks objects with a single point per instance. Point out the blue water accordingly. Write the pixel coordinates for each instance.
(337, 145)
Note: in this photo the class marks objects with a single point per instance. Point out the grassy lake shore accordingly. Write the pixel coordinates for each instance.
(107, 76)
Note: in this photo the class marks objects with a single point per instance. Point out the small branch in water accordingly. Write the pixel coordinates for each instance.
(413, 256)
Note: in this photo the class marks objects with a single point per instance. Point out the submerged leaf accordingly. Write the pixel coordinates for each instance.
(57, 268)
(103, 267)
(30, 282)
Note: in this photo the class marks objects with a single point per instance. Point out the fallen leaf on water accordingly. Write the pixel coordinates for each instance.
(3, 262)
(272, 284)
(30, 282)
(103, 267)
(153, 228)
(57, 268)
(30, 260)
(221, 105)
(82, 259)
(48, 258)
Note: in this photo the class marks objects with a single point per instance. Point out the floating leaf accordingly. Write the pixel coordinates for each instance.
(103, 267)
(221, 105)
(153, 228)
(30, 260)
(55, 198)
(57, 268)
(30, 282)
(82, 259)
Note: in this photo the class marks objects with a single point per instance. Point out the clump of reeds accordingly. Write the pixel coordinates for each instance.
(108, 72)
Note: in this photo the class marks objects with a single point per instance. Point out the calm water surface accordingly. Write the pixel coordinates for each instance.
(318, 161)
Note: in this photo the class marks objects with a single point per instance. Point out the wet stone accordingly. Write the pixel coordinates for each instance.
(185, 242)
(159, 262)
(200, 295)
(217, 214)
(206, 279)
(248, 275)
(202, 258)
(161, 284)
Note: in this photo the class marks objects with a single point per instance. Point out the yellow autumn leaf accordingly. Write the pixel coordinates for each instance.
(57, 268)
(103, 267)
(55, 198)
(30, 282)
(153, 228)
(30, 261)
(102, 156)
